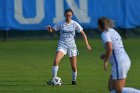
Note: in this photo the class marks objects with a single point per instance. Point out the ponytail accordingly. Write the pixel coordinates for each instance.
(110, 23)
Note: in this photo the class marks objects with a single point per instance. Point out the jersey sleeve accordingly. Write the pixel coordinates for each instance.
(57, 26)
(78, 27)
(106, 37)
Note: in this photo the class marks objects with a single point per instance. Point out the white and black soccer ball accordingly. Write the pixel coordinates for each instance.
(57, 81)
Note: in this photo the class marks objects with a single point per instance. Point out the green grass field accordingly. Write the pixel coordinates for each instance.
(25, 67)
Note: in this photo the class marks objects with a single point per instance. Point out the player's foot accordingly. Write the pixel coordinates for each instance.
(74, 83)
(50, 83)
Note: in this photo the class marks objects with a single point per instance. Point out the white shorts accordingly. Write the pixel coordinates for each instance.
(71, 51)
(120, 69)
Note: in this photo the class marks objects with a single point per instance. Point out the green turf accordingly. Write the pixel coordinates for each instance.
(25, 67)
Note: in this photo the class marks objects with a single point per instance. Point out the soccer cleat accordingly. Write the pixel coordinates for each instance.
(74, 83)
(50, 83)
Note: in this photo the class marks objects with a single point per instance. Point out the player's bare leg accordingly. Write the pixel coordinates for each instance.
(118, 85)
(59, 55)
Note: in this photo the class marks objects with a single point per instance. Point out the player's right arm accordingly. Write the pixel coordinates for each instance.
(56, 27)
(50, 29)
(108, 45)
(107, 54)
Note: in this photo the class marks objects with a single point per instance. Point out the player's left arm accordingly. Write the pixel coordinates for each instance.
(85, 39)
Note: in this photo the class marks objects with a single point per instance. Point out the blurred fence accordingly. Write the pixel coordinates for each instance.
(91, 33)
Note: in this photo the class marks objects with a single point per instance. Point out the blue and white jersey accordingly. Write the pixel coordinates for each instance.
(118, 53)
(67, 33)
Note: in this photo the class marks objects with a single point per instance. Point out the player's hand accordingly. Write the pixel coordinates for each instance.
(105, 66)
(88, 47)
(102, 56)
(49, 28)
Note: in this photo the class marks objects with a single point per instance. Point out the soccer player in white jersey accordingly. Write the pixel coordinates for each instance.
(117, 55)
(66, 43)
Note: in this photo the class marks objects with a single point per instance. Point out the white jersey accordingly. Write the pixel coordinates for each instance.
(118, 53)
(67, 33)
(119, 59)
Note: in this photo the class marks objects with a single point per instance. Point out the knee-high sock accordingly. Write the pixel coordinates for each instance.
(74, 76)
(127, 90)
(54, 71)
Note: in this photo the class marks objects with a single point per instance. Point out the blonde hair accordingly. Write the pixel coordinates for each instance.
(111, 23)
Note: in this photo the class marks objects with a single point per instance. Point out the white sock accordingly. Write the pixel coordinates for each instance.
(127, 90)
(130, 90)
(74, 76)
(54, 71)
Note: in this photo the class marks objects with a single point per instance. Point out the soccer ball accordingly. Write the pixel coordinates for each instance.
(57, 81)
